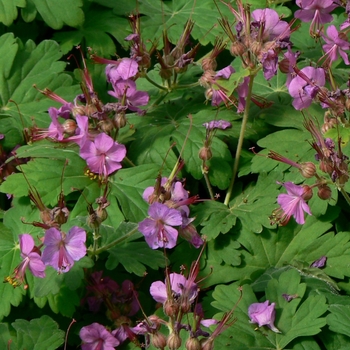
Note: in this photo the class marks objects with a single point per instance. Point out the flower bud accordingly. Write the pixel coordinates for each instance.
(158, 340)
(193, 344)
(209, 64)
(119, 120)
(237, 48)
(307, 192)
(284, 65)
(255, 47)
(171, 308)
(106, 125)
(174, 341)
(209, 94)
(78, 110)
(326, 167)
(205, 153)
(308, 169)
(324, 192)
(207, 78)
(69, 126)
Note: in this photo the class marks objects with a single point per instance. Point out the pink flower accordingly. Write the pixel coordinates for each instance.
(62, 250)
(217, 124)
(31, 259)
(103, 155)
(96, 337)
(123, 69)
(293, 203)
(157, 229)
(335, 45)
(263, 314)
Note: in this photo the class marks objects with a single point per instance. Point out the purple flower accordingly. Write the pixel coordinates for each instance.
(218, 93)
(335, 44)
(263, 314)
(217, 124)
(304, 87)
(179, 286)
(157, 229)
(103, 155)
(124, 69)
(125, 91)
(96, 337)
(62, 250)
(287, 64)
(293, 203)
(316, 11)
(269, 61)
(271, 25)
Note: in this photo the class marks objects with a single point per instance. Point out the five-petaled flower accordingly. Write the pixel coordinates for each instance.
(157, 229)
(62, 250)
(103, 155)
(263, 314)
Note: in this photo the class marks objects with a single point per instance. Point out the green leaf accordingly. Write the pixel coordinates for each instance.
(56, 15)
(96, 32)
(128, 185)
(27, 65)
(134, 256)
(173, 15)
(38, 334)
(9, 11)
(6, 337)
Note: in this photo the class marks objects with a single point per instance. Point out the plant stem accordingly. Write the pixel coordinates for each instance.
(240, 139)
(210, 189)
(346, 195)
(155, 84)
(116, 242)
(187, 86)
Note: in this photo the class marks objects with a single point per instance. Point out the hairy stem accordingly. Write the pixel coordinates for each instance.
(240, 139)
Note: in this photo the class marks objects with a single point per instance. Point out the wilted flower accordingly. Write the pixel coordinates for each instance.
(103, 155)
(217, 124)
(321, 262)
(157, 229)
(263, 314)
(62, 250)
(96, 337)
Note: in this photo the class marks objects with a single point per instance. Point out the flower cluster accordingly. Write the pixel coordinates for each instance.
(168, 208)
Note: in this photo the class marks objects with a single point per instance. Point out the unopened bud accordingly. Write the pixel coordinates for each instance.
(255, 47)
(209, 64)
(205, 153)
(207, 78)
(158, 340)
(193, 344)
(237, 49)
(78, 110)
(284, 65)
(174, 341)
(326, 167)
(209, 94)
(307, 194)
(171, 308)
(324, 192)
(69, 126)
(119, 120)
(106, 125)
(308, 169)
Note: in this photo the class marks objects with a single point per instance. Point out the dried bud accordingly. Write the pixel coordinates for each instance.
(255, 47)
(307, 192)
(174, 341)
(78, 110)
(308, 169)
(209, 94)
(324, 192)
(205, 153)
(207, 78)
(193, 344)
(158, 340)
(209, 64)
(69, 126)
(237, 48)
(326, 167)
(284, 65)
